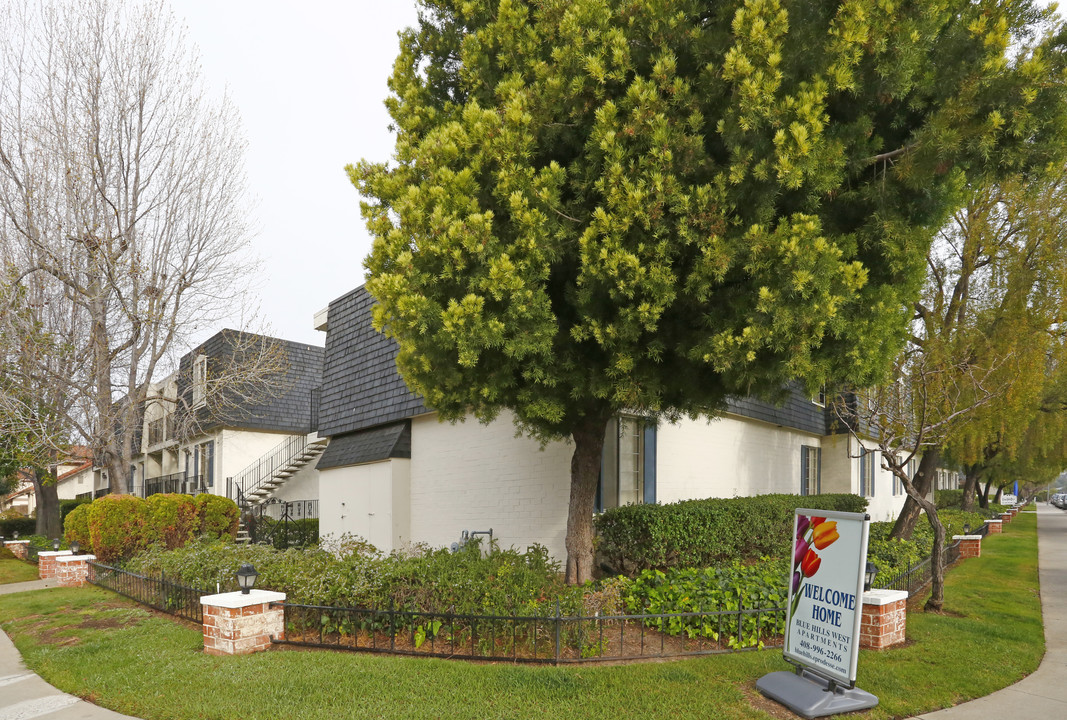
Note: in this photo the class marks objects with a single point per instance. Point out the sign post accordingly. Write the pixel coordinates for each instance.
(824, 612)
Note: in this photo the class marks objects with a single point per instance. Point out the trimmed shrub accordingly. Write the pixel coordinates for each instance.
(948, 498)
(701, 533)
(171, 520)
(26, 527)
(66, 507)
(76, 527)
(6, 554)
(295, 533)
(219, 517)
(117, 526)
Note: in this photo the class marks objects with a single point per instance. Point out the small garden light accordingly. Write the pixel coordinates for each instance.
(246, 577)
(966, 528)
(55, 544)
(75, 546)
(16, 534)
(868, 576)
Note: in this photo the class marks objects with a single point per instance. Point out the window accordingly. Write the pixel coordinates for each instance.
(199, 381)
(819, 398)
(867, 472)
(810, 470)
(628, 464)
(203, 464)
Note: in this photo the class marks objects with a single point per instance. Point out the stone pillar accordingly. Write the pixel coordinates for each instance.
(20, 548)
(237, 624)
(73, 570)
(995, 526)
(970, 545)
(1005, 518)
(885, 614)
(46, 562)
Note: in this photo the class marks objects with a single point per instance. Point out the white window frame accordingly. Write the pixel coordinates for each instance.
(200, 381)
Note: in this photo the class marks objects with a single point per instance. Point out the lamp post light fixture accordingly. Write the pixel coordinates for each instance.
(868, 575)
(966, 528)
(246, 578)
(75, 546)
(15, 534)
(55, 545)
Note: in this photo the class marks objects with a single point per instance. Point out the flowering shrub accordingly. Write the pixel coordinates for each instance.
(76, 527)
(171, 520)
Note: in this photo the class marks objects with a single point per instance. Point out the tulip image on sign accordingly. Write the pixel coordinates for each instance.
(813, 534)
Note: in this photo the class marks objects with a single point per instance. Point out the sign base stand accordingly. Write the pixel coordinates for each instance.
(812, 696)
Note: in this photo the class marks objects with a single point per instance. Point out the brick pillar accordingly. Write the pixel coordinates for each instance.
(46, 563)
(995, 526)
(970, 545)
(1006, 518)
(885, 614)
(237, 624)
(20, 548)
(73, 570)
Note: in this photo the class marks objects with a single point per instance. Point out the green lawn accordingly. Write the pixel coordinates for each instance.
(95, 644)
(13, 571)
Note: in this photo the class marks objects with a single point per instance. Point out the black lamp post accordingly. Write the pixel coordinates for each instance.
(55, 544)
(75, 546)
(868, 575)
(246, 578)
(966, 528)
(15, 534)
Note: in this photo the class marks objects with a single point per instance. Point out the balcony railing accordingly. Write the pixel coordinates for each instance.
(175, 483)
(160, 430)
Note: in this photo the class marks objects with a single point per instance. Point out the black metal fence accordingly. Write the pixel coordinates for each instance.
(919, 575)
(552, 639)
(159, 593)
(175, 483)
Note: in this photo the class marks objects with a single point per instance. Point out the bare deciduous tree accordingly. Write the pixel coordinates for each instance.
(124, 184)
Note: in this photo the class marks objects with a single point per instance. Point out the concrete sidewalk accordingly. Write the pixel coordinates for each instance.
(1042, 694)
(24, 695)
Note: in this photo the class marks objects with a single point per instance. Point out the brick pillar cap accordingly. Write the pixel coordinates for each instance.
(75, 558)
(53, 553)
(966, 537)
(883, 597)
(16, 542)
(240, 600)
(993, 521)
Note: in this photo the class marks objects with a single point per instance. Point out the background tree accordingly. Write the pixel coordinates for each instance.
(122, 183)
(599, 206)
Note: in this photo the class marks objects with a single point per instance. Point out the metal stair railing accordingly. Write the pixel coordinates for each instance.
(262, 471)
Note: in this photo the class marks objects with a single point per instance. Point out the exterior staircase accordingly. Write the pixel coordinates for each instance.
(257, 483)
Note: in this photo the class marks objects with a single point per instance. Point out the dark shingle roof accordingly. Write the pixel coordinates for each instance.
(796, 411)
(361, 387)
(387, 441)
(290, 409)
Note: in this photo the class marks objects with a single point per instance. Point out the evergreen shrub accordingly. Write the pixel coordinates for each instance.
(67, 506)
(76, 527)
(219, 516)
(171, 520)
(26, 526)
(117, 526)
(702, 533)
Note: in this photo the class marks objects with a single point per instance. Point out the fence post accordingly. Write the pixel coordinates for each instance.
(559, 623)
(392, 624)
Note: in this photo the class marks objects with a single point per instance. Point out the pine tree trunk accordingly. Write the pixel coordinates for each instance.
(585, 472)
(923, 482)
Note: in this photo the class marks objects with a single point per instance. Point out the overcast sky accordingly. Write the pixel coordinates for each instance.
(309, 79)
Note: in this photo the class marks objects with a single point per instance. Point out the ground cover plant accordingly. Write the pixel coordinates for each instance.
(78, 638)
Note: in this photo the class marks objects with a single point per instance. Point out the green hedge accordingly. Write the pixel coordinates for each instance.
(701, 533)
(66, 507)
(117, 526)
(295, 533)
(172, 520)
(25, 526)
(219, 516)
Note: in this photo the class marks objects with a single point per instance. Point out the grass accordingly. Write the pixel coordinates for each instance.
(13, 571)
(96, 645)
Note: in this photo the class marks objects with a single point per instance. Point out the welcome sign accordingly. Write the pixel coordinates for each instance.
(826, 592)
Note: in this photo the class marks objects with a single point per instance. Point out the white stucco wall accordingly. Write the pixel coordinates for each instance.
(370, 501)
(470, 476)
(727, 457)
(841, 473)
